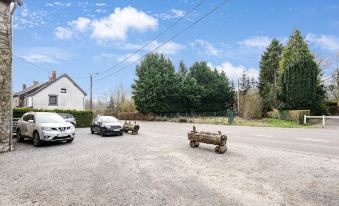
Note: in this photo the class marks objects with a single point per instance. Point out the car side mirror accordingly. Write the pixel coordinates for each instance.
(30, 121)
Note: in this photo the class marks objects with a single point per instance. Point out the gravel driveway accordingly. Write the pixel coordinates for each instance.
(158, 168)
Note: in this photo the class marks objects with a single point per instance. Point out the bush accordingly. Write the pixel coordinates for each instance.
(83, 118)
(182, 120)
(250, 105)
(290, 115)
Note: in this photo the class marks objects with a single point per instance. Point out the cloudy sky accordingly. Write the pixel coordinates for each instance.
(86, 37)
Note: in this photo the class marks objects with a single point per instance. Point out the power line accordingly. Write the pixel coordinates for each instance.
(155, 38)
(36, 66)
(170, 39)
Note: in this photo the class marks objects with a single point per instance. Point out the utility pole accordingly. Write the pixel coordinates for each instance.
(91, 91)
(91, 97)
(337, 75)
(238, 98)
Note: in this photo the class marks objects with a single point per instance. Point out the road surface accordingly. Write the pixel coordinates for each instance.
(263, 166)
(319, 141)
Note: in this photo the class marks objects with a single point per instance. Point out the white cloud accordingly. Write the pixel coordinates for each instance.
(234, 72)
(172, 14)
(100, 4)
(113, 27)
(59, 4)
(204, 47)
(33, 58)
(259, 42)
(100, 10)
(44, 55)
(63, 33)
(81, 24)
(323, 41)
(25, 18)
(120, 22)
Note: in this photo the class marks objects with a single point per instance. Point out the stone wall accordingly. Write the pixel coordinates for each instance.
(5, 76)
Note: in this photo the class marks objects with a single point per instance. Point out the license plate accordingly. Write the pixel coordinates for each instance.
(62, 135)
(116, 130)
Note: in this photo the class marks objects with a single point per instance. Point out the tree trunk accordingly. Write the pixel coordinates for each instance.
(5, 77)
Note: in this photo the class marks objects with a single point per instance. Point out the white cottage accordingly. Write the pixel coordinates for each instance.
(57, 93)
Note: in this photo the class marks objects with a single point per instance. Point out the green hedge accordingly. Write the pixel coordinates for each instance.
(290, 115)
(83, 118)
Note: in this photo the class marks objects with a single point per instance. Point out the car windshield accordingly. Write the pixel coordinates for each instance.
(65, 116)
(49, 118)
(109, 119)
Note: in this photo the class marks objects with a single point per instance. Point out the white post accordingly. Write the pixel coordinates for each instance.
(323, 120)
(304, 119)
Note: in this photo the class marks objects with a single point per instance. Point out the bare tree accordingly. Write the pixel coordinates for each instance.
(333, 88)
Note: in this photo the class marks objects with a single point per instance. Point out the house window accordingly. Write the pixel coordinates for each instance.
(53, 100)
(63, 90)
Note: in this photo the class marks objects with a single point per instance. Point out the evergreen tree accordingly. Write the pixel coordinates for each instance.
(300, 86)
(216, 93)
(156, 86)
(268, 76)
(182, 69)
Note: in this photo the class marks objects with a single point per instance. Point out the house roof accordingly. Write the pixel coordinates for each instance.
(29, 90)
(32, 90)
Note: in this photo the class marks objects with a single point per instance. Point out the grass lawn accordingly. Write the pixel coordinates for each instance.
(266, 122)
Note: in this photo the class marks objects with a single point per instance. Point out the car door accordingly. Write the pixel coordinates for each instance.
(30, 125)
(23, 124)
(97, 123)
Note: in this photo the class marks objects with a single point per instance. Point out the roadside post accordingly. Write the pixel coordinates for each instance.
(230, 116)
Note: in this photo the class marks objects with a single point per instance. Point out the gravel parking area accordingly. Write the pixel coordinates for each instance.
(158, 167)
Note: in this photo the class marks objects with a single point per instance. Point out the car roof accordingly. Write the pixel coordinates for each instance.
(40, 113)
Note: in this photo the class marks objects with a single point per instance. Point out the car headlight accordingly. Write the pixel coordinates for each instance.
(46, 128)
(72, 127)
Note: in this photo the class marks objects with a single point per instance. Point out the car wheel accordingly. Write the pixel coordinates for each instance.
(102, 133)
(92, 132)
(36, 139)
(69, 140)
(19, 137)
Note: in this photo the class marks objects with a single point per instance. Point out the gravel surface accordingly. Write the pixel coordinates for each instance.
(158, 168)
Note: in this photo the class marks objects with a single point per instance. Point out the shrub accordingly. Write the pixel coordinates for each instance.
(83, 118)
(250, 105)
(290, 115)
(182, 120)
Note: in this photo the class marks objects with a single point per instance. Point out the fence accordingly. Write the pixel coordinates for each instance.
(193, 114)
(15, 124)
(320, 117)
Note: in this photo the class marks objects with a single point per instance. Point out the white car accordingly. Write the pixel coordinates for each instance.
(44, 127)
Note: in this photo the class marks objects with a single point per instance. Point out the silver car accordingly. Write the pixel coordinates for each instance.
(44, 127)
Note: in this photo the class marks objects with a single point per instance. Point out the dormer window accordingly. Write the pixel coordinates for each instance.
(63, 90)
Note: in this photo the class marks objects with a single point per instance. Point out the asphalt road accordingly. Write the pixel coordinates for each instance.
(318, 141)
(263, 166)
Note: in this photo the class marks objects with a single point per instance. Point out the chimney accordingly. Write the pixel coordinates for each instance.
(54, 74)
(24, 86)
(35, 83)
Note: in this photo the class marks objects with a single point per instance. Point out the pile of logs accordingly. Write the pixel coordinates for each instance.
(209, 138)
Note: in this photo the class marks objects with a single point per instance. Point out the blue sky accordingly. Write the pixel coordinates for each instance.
(85, 37)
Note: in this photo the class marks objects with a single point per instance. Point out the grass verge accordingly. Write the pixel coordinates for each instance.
(266, 122)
